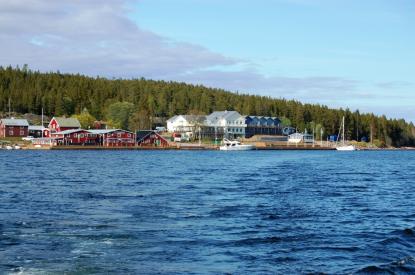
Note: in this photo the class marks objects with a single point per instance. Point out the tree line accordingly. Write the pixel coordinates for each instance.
(136, 103)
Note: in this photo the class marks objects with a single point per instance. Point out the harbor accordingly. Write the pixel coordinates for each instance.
(220, 130)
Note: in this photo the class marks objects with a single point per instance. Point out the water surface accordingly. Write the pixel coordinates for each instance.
(128, 212)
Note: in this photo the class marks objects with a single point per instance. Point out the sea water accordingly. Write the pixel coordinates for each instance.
(171, 212)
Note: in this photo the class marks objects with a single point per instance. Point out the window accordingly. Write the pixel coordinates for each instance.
(75, 135)
(11, 133)
(22, 132)
(119, 135)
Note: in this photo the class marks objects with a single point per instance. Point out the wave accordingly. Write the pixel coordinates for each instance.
(405, 265)
(400, 244)
(255, 241)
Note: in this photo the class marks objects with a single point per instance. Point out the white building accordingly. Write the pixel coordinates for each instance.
(185, 123)
(232, 123)
(299, 137)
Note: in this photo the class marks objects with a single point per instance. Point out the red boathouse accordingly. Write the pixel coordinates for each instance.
(151, 138)
(75, 137)
(114, 137)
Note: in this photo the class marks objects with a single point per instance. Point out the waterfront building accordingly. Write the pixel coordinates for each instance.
(38, 131)
(150, 138)
(260, 125)
(230, 123)
(113, 137)
(74, 137)
(58, 124)
(185, 123)
(11, 127)
(300, 137)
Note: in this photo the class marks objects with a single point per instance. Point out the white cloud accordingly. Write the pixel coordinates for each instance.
(92, 37)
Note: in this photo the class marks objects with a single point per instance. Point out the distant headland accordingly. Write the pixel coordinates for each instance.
(134, 104)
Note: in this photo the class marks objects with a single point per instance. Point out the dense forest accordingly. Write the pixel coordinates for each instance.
(136, 103)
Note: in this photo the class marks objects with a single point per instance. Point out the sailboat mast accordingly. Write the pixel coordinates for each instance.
(343, 130)
(42, 123)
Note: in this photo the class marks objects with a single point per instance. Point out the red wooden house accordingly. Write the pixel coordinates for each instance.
(75, 137)
(58, 124)
(151, 138)
(114, 137)
(10, 127)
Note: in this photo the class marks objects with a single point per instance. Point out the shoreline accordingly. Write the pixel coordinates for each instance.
(198, 148)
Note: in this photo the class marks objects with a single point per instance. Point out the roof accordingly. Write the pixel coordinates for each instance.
(266, 117)
(14, 122)
(194, 118)
(106, 131)
(300, 135)
(189, 118)
(37, 127)
(67, 132)
(218, 115)
(173, 118)
(67, 122)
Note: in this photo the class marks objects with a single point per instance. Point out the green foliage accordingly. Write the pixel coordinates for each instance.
(119, 113)
(86, 119)
(140, 120)
(379, 143)
(285, 121)
(131, 104)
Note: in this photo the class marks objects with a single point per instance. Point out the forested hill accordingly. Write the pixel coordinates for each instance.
(140, 100)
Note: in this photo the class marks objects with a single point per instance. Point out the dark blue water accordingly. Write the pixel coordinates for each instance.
(129, 212)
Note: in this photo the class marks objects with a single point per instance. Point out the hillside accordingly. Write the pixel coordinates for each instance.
(141, 99)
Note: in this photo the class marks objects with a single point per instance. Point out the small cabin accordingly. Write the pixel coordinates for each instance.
(11, 127)
(299, 137)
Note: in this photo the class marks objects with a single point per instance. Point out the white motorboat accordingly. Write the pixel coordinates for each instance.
(343, 146)
(346, 148)
(235, 145)
(8, 147)
(17, 147)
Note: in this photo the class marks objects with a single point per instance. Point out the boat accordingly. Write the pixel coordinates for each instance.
(234, 145)
(343, 146)
(17, 147)
(8, 147)
(346, 148)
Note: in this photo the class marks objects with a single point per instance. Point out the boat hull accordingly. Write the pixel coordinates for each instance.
(346, 148)
(243, 147)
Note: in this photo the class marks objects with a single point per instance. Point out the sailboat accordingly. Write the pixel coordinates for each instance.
(343, 146)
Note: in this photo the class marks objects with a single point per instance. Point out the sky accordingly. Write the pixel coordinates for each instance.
(340, 53)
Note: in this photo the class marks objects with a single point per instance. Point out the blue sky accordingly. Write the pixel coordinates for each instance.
(370, 43)
(356, 54)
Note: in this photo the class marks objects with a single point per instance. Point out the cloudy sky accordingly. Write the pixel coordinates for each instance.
(341, 53)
